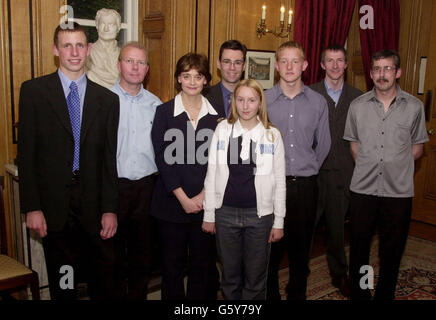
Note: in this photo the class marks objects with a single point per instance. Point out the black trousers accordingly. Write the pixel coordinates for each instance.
(185, 247)
(333, 202)
(301, 203)
(92, 258)
(391, 216)
(134, 236)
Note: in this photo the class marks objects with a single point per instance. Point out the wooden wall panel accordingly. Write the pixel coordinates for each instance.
(355, 75)
(165, 48)
(155, 14)
(5, 103)
(415, 16)
(203, 20)
(46, 18)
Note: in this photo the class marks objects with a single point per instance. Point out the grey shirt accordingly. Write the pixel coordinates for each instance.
(384, 163)
(303, 122)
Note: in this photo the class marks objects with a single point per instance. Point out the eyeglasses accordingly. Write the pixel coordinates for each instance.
(228, 62)
(386, 69)
(142, 63)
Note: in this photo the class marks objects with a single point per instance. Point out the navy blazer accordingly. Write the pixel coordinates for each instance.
(215, 96)
(183, 148)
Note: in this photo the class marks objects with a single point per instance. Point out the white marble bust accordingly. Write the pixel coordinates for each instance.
(101, 66)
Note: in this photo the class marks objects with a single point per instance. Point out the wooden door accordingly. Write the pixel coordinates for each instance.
(424, 204)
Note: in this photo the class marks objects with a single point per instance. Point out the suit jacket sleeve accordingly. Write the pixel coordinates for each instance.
(170, 176)
(29, 191)
(109, 200)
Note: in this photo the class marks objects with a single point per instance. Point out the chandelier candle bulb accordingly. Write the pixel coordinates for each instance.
(282, 14)
(290, 17)
(263, 12)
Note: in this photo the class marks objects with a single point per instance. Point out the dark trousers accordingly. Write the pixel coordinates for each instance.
(92, 258)
(333, 201)
(301, 201)
(391, 216)
(133, 236)
(186, 247)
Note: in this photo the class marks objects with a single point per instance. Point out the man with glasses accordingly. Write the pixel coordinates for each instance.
(231, 63)
(335, 174)
(136, 168)
(386, 130)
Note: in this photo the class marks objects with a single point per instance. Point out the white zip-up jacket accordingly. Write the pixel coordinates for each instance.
(270, 174)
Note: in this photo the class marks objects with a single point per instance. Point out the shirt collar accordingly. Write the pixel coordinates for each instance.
(400, 94)
(128, 95)
(206, 107)
(66, 82)
(254, 134)
(224, 90)
(276, 92)
(328, 88)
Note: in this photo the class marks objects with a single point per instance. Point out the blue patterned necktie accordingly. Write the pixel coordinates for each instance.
(229, 105)
(73, 102)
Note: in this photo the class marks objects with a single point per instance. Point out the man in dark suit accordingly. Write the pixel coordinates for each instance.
(231, 63)
(67, 166)
(335, 174)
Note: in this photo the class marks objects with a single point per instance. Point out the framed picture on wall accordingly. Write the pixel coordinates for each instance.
(260, 66)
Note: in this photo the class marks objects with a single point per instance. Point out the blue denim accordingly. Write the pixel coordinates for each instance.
(242, 243)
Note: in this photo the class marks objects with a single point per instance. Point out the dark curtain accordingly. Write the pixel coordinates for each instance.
(386, 32)
(318, 24)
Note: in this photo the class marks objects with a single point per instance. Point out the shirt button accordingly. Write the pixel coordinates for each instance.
(291, 130)
(292, 115)
(380, 173)
(292, 160)
(292, 145)
(383, 133)
(382, 147)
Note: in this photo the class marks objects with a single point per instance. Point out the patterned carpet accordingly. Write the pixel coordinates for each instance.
(416, 281)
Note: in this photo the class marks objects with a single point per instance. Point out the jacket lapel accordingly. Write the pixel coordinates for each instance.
(58, 101)
(91, 106)
(343, 96)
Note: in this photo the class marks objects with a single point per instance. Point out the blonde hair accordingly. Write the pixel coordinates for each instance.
(290, 45)
(262, 112)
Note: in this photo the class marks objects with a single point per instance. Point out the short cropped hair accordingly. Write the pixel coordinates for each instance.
(386, 54)
(191, 61)
(111, 12)
(65, 28)
(233, 45)
(290, 44)
(334, 47)
(133, 44)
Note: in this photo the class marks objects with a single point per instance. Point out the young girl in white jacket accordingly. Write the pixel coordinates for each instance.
(245, 192)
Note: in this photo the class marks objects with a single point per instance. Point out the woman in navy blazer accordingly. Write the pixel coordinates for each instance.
(181, 135)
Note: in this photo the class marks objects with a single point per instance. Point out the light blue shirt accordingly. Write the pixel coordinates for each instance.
(81, 86)
(135, 154)
(335, 95)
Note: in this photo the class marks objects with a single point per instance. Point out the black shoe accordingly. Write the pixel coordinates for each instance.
(343, 284)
